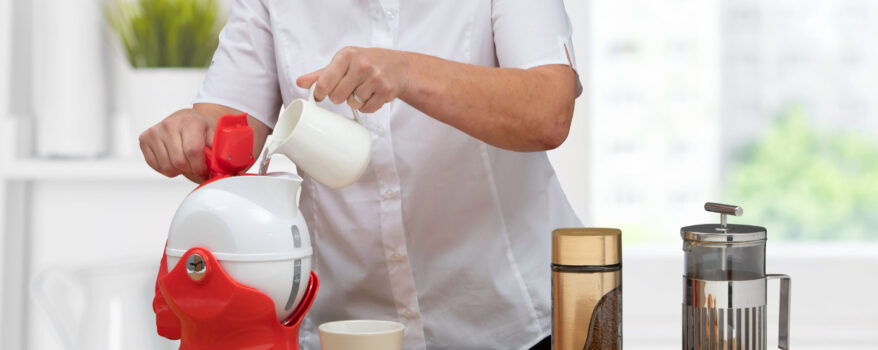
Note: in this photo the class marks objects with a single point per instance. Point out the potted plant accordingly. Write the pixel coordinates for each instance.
(167, 46)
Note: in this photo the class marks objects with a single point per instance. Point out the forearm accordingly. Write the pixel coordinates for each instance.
(515, 109)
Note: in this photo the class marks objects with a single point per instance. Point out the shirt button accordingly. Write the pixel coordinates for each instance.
(409, 314)
(396, 257)
(389, 15)
(390, 194)
(379, 131)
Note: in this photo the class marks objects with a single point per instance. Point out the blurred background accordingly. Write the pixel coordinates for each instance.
(769, 105)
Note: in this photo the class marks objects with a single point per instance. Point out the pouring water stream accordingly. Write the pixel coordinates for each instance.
(263, 165)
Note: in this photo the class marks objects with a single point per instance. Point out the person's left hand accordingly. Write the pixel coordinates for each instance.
(366, 78)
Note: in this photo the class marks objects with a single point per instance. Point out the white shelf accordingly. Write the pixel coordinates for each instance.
(81, 170)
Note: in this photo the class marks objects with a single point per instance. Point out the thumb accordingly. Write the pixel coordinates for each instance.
(195, 178)
(309, 79)
(209, 128)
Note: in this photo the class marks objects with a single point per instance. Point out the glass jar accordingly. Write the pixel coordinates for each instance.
(587, 289)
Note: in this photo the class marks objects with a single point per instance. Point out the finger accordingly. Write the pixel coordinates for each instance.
(163, 161)
(309, 79)
(148, 155)
(208, 133)
(194, 179)
(192, 140)
(333, 73)
(374, 104)
(357, 74)
(378, 93)
(352, 101)
(174, 146)
(365, 91)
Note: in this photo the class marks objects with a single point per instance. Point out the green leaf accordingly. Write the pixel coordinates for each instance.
(804, 183)
(166, 33)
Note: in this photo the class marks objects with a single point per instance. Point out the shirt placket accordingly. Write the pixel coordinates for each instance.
(385, 22)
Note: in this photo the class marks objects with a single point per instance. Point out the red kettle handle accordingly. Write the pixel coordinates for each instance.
(232, 151)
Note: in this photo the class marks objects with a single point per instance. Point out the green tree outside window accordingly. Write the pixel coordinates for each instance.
(808, 184)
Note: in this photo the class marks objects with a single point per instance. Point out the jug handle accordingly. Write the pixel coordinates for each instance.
(354, 111)
(783, 332)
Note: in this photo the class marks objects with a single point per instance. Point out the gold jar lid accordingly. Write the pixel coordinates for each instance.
(586, 246)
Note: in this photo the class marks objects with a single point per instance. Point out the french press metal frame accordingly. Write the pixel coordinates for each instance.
(730, 313)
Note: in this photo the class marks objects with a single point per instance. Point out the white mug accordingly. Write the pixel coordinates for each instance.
(332, 149)
(361, 335)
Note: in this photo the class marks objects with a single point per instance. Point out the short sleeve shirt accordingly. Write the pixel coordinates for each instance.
(444, 233)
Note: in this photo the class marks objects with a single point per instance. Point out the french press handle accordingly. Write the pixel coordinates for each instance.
(783, 331)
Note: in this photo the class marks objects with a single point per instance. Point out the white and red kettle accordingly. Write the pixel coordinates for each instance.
(237, 267)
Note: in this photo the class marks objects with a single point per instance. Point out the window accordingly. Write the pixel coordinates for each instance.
(769, 105)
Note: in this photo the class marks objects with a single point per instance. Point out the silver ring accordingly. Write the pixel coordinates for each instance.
(358, 99)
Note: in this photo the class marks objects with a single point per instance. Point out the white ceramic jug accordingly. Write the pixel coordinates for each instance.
(332, 149)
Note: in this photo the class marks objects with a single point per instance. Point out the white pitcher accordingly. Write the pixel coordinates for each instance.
(332, 149)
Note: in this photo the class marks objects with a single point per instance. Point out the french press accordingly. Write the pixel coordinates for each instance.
(724, 288)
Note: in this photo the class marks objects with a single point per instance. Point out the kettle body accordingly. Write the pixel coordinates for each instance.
(253, 227)
(236, 272)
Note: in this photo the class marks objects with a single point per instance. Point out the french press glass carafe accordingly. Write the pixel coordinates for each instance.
(724, 288)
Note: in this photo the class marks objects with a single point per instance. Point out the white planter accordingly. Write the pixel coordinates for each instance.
(145, 96)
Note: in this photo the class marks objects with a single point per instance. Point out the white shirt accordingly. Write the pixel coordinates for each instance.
(443, 233)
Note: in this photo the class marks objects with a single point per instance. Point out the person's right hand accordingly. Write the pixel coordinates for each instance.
(175, 145)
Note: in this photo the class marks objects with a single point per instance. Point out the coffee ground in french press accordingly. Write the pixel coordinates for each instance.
(606, 323)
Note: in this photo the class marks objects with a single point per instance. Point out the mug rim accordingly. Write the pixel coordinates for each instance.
(396, 327)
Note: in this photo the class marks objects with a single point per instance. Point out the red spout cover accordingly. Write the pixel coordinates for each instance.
(166, 323)
(220, 314)
(232, 150)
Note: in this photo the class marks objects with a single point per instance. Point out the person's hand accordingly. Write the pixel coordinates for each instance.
(175, 145)
(366, 78)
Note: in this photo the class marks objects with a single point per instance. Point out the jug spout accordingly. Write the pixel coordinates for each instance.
(284, 127)
(273, 146)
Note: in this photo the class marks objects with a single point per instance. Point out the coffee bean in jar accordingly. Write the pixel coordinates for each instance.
(586, 289)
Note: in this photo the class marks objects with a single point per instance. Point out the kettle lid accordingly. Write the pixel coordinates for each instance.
(723, 232)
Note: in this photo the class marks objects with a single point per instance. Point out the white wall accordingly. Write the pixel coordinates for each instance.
(5, 54)
(20, 74)
(7, 14)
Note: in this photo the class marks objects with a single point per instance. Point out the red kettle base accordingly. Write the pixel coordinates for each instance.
(215, 312)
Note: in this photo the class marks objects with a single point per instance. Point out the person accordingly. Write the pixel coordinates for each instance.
(448, 230)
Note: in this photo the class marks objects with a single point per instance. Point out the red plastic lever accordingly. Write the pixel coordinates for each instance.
(232, 150)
